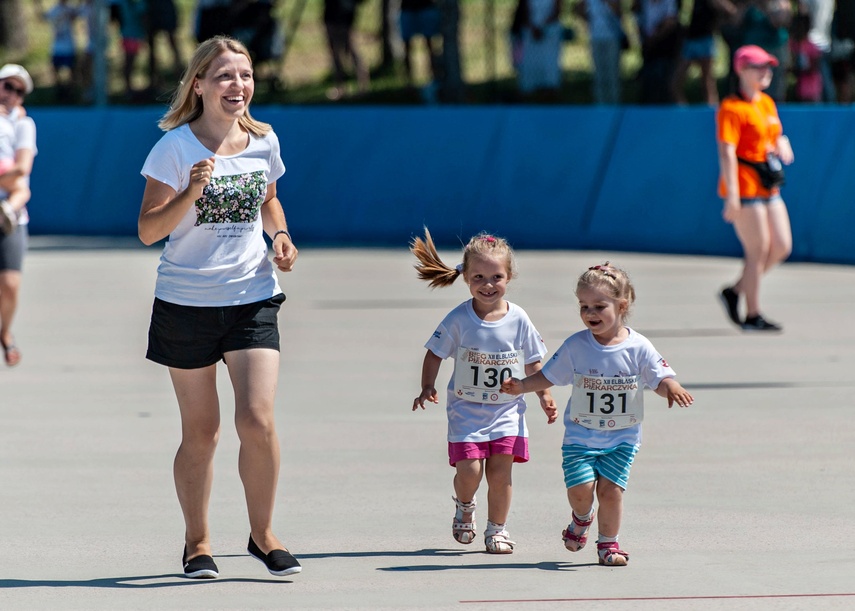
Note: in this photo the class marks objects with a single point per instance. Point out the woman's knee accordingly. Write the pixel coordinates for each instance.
(255, 423)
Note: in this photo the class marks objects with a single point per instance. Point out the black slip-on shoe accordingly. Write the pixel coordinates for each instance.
(199, 567)
(730, 301)
(758, 323)
(279, 562)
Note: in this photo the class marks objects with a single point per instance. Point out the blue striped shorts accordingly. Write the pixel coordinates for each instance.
(583, 464)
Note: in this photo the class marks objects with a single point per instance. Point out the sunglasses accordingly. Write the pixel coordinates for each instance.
(12, 89)
(760, 66)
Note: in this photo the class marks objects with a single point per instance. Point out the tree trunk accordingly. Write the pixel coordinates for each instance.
(13, 28)
(451, 81)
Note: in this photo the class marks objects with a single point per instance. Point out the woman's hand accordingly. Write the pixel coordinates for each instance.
(784, 150)
(200, 176)
(732, 206)
(284, 252)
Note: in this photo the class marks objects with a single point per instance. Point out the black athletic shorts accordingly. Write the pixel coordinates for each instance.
(190, 337)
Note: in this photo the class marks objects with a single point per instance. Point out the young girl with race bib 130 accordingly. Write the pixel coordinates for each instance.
(609, 365)
(490, 340)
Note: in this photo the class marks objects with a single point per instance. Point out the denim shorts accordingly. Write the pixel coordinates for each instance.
(424, 22)
(774, 198)
(583, 464)
(190, 337)
(699, 48)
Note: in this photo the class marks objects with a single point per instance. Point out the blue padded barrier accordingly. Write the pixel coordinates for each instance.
(610, 178)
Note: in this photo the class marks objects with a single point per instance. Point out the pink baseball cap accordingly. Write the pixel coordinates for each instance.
(752, 55)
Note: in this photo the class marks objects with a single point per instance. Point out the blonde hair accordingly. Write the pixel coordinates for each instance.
(611, 280)
(186, 106)
(433, 270)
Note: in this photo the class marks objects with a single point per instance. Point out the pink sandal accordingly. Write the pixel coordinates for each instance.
(611, 554)
(574, 541)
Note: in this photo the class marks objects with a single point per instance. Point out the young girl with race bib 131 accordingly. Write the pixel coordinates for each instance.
(490, 340)
(609, 365)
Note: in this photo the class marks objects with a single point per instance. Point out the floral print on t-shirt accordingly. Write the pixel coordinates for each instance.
(232, 199)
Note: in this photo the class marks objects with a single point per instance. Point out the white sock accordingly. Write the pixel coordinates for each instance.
(493, 528)
(585, 518)
(601, 538)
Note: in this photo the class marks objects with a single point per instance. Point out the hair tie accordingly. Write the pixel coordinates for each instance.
(488, 238)
(459, 268)
(605, 269)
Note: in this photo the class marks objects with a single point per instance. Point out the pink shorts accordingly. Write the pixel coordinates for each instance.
(469, 450)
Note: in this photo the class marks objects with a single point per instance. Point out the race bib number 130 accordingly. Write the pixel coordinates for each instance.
(606, 403)
(478, 376)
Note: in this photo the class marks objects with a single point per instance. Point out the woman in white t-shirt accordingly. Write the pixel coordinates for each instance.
(18, 144)
(490, 339)
(609, 365)
(211, 190)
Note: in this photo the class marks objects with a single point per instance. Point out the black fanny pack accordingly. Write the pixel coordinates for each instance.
(771, 171)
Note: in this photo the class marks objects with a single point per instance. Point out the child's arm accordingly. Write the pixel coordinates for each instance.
(547, 403)
(430, 369)
(671, 390)
(23, 167)
(532, 383)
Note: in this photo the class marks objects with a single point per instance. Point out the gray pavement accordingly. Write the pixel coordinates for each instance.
(743, 501)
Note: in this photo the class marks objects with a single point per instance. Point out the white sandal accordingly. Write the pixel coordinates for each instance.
(463, 532)
(498, 543)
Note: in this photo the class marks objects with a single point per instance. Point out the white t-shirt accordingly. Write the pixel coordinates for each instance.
(462, 328)
(582, 354)
(217, 255)
(17, 133)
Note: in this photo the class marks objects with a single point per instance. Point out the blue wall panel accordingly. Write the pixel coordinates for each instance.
(626, 178)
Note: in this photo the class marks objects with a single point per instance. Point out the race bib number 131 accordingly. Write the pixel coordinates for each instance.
(479, 375)
(606, 403)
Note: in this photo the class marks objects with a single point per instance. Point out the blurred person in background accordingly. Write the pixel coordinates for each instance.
(61, 18)
(820, 14)
(751, 150)
(661, 40)
(540, 36)
(162, 18)
(15, 85)
(339, 17)
(766, 24)
(699, 47)
(843, 49)
(607, 39)
(419, 18)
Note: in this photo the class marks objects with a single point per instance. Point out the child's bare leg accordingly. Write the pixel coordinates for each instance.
(610, 497)
(610, 512)
(466, 482)
(498, 470)
(467, 479)
(581, 499)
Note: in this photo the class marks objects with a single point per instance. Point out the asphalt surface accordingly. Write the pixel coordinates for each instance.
(743, 501)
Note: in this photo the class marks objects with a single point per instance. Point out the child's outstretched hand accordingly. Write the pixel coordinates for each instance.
(675, 393)
(547, 404)
(428, 394)
(512, 386)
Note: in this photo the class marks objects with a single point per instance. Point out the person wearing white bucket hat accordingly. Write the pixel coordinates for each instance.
(18, 145)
